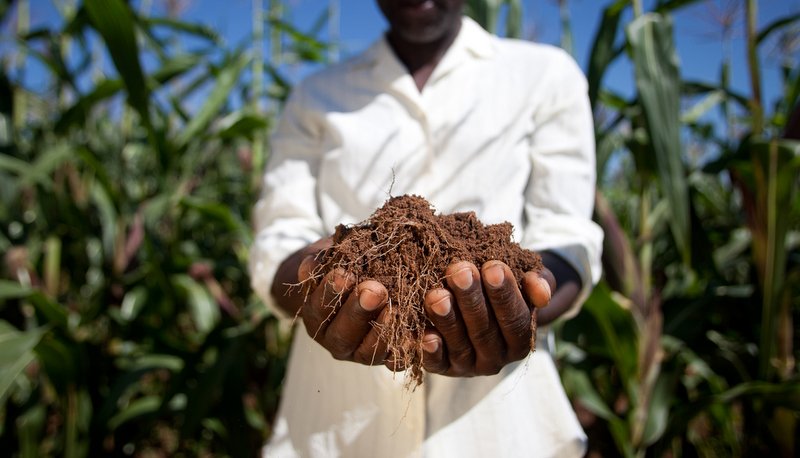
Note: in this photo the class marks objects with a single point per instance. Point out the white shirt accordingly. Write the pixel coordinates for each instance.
(502, 128)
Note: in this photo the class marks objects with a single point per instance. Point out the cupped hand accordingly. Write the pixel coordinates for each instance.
(482, 321)
(341, 316)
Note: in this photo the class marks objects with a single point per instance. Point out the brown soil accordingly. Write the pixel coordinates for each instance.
(407, 247)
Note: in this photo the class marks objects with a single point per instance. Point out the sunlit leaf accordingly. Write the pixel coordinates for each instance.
(226, 81)
(204, 310)
(16, 352)
(241, 125)
(604, 49)
(138, 408)
(702, 107)
(617, 329)
(114, 21)
(658, 81)
(776, 26)
(579, 386)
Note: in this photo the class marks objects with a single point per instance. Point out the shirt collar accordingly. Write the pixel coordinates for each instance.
(472, 41)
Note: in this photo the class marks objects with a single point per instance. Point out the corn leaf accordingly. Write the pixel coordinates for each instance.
(617, 330)
(16, 352)
(776, 168)
(604, 50)
(136, 409)
(226, 81)
(203, 308)
(658, 82)
(114, 21)
(776, 26)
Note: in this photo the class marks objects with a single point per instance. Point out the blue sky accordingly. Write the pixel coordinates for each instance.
(697, 36)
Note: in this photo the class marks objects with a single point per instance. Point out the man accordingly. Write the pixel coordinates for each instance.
(441, 109)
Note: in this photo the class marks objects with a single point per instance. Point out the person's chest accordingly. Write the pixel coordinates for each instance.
(463, 142)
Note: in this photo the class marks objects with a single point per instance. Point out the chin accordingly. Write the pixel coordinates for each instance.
(422, 21)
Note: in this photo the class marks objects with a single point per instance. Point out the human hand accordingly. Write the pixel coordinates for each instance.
(483, 322)
(340, 315)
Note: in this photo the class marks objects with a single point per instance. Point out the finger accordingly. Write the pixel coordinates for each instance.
(487, 341)
(373, 348)
(396, 361)
(537, 288)
(307, 268)
(510, 310)
(447, 321)
(324, 301)
(434, 359)
(352, 322)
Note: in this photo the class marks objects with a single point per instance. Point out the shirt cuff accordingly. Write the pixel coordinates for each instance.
(266, 255)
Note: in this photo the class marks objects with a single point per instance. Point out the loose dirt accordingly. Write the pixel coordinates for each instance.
(407, 247)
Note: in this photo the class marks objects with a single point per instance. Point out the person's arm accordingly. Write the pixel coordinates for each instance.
(568, 288)
(560, 193)
(285, 218)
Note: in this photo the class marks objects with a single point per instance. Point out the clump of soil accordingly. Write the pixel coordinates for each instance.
(407, 247)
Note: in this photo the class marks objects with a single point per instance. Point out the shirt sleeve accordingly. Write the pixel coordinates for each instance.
(559, 198)
(285, 216)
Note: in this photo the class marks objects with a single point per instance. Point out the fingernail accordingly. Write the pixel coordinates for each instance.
(305, 270)
(430, 345)
(463, 278)
(494, 275)
(369, 300)
(442, 306)
(341, 281)
(546, 294)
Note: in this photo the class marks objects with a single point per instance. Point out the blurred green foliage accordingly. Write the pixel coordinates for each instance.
(127, 325)
(126, 318)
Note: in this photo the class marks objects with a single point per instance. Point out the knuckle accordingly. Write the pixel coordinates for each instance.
(518, 328)
(471, 300)
(485, 337)
(368, 355)
(489, 367)
(502, 296)
(462, 357)
(339, 348)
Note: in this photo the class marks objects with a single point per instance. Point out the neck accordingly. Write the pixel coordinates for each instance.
(420, 59)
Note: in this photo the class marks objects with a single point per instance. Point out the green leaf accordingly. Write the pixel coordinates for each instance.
(776, 166)
(51, 310)
(114, 21)
(16, 352)
(617, 328)
(136, 409)
(658, 411)
(671, 5)
(60, 360)
(194, 29)
(241, 125)
(13, 290)
(226, 81)
(658, 82)
(204, 309)
(29, 427)
(221, 213)
(702, 107)
(77, 113)
(775, 26)
(39, 171)
(698, 87)
(133, 303)
(604, 50)
(514, 19)
(579, 387)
